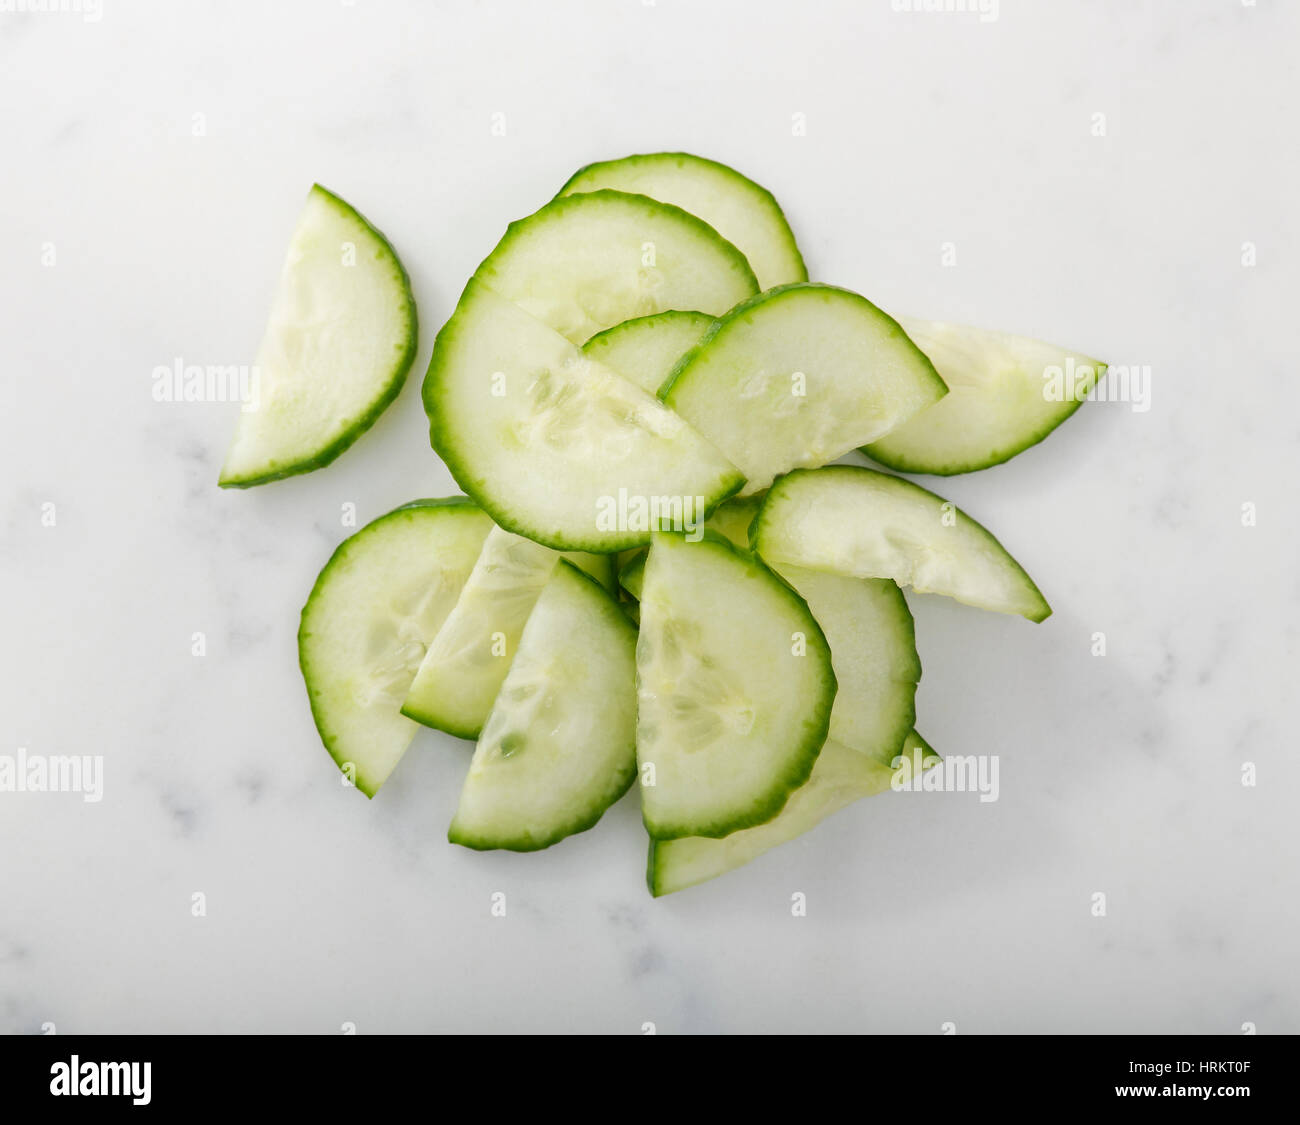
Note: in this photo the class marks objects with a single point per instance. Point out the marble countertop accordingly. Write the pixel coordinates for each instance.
(1114, 177)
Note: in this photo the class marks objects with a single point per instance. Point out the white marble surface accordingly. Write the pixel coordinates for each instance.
(1119, 774)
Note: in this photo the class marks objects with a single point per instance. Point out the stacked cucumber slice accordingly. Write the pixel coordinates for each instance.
(657, 579)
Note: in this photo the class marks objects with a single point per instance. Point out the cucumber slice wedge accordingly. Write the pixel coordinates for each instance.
(731, 520)
(467, 661)
(736, 207)
(560, 745)
(554, 446)
(631, 575)
(855, 521)
(734, 690)
(841, 776)
(380, 599)
(997, 405)
(340, 340)
(799, 376)
(873, 650)
(584, 263)
(646, 349)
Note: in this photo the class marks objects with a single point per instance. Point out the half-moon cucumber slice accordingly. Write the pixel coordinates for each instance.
(584, 263)
(560, 744)
(859, 522)
(380, 599)
(646, 349)
(467, 661)
(555, 446)
(797, 377)
(840, 777)
(737, 208)
(873, 650)
(1005, 393)
(734, 689)
(337, 347)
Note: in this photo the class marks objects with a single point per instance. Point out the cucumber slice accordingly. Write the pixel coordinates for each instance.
(854, 521)
(730, 520)
(799, 376)
(841, 776)
(584, 263)
(733, 518)
(380, 599)
(560, 745)
(873, 650)
(549, 442)
(997, 404)
(337, 347)
(734, 689)
(467, 661)
(736, 207)
(646, 349)
(631, 575)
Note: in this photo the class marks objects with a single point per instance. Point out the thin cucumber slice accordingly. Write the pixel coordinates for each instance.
(560, 745)
(467, 661)
(380, 599)
(734, 690)
(646, 349)
(736, 207)
(1000, 401)
(730, 520)
(859, 522)
(733, 518)
(337, 347)
(841, 776)
(557, 447)
(798, 377)
(584, 263)
(873, 650)
(631, 575)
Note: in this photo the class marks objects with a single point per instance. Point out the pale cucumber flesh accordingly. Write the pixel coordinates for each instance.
(584, 263)
(799, 376)
(866, 524)
(740, 210)
(557, 447)
(559, 746)
(337, 347)
(380, 599)
(1005, 394)
(873, 650)
(840, 777)
(467, 661)
(734, 690)
(645, 350)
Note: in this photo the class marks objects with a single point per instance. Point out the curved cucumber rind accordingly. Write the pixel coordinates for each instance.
(380, 599)
(841, 776)
(647, 348)
(855, 521)
(584, 263)
(737, 208)
(799, 376)
(467, 661)
(554, 446)
(560, 745)
(1002, 398)
(338, 345)
(734, 689)
(873, 650)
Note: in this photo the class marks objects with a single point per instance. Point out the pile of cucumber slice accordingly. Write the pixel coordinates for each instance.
(656, 579)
